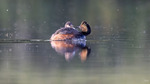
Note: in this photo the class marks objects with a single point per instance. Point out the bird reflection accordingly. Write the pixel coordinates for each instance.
(70, 48)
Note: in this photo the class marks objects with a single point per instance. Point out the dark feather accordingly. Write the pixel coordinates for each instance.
(67, 31)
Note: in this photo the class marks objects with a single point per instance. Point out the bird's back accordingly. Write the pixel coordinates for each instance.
(67, 31)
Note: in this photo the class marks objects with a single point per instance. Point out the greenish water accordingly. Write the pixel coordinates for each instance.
(118, 47)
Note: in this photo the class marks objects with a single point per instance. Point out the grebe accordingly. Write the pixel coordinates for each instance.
(68, 32)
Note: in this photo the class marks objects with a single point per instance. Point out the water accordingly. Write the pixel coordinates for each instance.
(116, 52)
(110, 61)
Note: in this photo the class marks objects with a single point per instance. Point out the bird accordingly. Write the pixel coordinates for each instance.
(69, 32)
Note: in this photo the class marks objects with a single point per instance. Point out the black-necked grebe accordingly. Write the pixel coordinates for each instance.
(68, 32)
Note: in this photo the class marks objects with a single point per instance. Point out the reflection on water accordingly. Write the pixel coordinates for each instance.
(69, 48)
(115, 61)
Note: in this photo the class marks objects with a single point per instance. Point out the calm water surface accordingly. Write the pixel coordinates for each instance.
(116, 52)
(110, 61)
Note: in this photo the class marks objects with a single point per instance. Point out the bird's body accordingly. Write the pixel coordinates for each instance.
(70, 33)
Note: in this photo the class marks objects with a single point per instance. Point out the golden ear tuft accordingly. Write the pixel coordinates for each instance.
(83, 22)
(83, 26)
